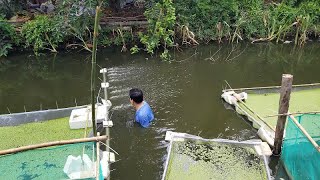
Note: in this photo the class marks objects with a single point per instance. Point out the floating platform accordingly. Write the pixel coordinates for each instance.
(192, 157)
(263, 102)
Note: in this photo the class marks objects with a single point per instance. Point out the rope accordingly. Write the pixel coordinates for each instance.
(109, 147)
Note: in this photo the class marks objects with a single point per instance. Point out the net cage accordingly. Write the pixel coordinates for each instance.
(262, 102)
(193, 157)
(300, 157)
(45, 163)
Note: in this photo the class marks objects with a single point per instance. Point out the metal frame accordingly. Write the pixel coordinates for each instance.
(226, 141)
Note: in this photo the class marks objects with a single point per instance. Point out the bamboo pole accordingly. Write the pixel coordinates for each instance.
(305, 133)
(93, 69)
(285, 91)
(54, 143)
(245, 105)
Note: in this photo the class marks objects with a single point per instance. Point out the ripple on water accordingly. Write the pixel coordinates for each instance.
(122, 96)
(120, 91)
(121, 107)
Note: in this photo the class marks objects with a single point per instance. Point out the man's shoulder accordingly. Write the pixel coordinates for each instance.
(144, 110)
(144, 106)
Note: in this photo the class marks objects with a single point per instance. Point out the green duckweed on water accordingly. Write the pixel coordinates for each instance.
(199, 160)
(37, 132)
(267, 104)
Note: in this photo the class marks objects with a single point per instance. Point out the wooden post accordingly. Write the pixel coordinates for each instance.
(285, 91)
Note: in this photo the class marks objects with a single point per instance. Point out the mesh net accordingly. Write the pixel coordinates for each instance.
(196, 159)
(300, 158)
(45, 163)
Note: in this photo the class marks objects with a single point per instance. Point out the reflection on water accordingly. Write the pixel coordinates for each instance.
(184, 94)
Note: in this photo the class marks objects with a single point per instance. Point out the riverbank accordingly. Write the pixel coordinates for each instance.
(165, 25)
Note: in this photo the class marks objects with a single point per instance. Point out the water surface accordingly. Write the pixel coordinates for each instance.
(184, 93)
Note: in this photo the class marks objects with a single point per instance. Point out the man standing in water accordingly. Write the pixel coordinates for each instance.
(144, 114)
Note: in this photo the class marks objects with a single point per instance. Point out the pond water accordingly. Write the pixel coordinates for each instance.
(184, 93)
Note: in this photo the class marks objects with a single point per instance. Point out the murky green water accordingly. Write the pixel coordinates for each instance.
(185, 94)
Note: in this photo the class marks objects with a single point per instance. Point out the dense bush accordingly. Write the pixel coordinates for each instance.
(43, 32)
(78, 18)
(169, 23)
(8, 37)
(9, 7)
(160, 32)
(208, 19)
(251, 19)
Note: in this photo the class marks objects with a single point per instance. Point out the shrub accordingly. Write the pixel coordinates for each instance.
(161, 22)
(8, 37)
(43, 33)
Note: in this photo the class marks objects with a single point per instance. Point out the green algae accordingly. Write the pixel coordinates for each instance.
(45, 163)
(211, 160)
(267, 104)
(37, 132)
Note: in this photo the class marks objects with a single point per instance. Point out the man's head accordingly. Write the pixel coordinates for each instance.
(136, 96)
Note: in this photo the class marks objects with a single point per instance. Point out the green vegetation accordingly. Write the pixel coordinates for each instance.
(37, 132)
(212, 160)
(170, 24)
(43, 33)
(255, 20)
(161, 21)
(8, 37)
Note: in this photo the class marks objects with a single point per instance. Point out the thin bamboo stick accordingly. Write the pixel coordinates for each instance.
(286, 114)
(269, 87)
(54, 143)
(305, 133)
(243, 103)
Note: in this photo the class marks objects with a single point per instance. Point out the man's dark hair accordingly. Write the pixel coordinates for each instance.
(136, 95)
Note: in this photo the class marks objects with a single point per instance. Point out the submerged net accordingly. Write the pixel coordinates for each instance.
(300, 158)
(45, 163)
(196, 159)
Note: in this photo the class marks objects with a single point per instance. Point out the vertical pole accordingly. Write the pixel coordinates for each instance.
(285, 91)
(98, 159)
(107, 113)
(105, 81)
(104, 72)
(93, 70)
